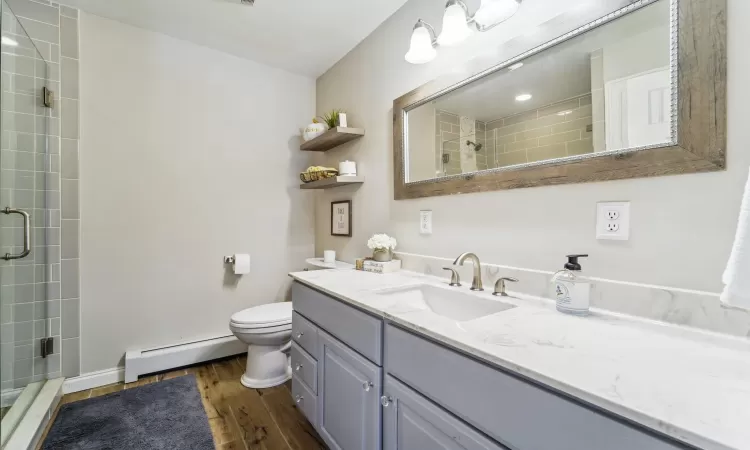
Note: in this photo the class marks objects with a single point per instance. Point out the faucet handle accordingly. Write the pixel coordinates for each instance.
(455, 279)
(500, 286)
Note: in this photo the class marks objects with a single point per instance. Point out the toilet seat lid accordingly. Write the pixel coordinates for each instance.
(264, 315)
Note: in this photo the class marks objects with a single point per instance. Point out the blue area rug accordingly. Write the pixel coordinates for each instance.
(164, 415)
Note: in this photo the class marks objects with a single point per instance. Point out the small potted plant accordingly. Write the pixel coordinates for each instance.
(382, 247)
(331, 119)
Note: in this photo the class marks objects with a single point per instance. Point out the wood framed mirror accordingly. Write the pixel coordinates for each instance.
(638, 90)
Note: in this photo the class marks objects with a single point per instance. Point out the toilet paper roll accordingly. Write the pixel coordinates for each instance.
(329, 256)
(348, 168)
(241, 264)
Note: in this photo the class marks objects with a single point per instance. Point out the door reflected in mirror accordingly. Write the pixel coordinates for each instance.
(609, 89)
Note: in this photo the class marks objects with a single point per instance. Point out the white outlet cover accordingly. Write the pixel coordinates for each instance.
(604, 225)
(425, 222)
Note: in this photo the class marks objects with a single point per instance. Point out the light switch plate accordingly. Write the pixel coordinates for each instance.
(613, 221)
(425, 222)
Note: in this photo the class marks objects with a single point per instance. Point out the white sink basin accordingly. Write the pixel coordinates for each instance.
(455, 305)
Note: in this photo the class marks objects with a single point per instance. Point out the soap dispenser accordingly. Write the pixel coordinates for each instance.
(571, 290)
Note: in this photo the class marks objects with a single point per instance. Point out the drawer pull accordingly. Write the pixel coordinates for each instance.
(367, 385)
(300, 334)
(297, 367)
(385, 401)
(298, 399)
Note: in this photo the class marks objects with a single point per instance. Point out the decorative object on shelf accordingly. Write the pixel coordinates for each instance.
(342, 119)
(315, 173)
(341, 218)
(332, 118)
(382, 247)
(381, 267)
(314, 130)
(348, 168)
(456, 21)
(329, 256)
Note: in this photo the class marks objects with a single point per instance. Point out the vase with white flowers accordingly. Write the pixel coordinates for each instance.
(382, 247)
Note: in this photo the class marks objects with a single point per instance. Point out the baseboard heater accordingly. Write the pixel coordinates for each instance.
(141, 362)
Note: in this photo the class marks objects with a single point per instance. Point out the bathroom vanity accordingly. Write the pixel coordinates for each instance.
(366, 378)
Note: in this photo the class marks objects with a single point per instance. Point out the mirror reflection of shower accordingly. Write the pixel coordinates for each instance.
(477, 147)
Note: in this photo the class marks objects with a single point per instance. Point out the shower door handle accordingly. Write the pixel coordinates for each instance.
(26, 233)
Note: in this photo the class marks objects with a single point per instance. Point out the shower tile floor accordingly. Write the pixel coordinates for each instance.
(240, 418)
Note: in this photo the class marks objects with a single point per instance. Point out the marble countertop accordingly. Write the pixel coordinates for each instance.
(686, 383)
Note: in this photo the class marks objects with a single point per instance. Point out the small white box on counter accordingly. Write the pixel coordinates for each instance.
(382, 267)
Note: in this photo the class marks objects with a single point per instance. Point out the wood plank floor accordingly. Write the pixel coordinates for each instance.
(240, 418)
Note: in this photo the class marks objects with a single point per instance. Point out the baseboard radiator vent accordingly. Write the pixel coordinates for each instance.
(141, 362)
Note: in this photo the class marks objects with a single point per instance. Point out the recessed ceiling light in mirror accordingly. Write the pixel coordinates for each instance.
(565, 113)
(523, 97)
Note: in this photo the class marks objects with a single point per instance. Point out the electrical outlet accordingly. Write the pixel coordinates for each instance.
(425, 222)
(613, 221)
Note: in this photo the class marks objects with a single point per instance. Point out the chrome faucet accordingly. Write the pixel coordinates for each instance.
(500, 286)
(476, 283)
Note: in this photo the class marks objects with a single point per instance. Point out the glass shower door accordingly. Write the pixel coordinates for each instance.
(29, 258)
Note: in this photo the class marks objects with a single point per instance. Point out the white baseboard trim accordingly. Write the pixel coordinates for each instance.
(140, 362)
(94, 380)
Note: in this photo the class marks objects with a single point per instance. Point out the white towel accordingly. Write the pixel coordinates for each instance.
(737, 275)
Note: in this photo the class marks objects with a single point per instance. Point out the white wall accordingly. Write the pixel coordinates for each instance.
(643, 52)
(187, 155)
(422, 143)
(682, 226)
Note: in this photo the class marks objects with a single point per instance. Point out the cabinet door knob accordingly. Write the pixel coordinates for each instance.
(367, 385)
(297, 367)
(300, 334)
(386, 400)
(298, 399)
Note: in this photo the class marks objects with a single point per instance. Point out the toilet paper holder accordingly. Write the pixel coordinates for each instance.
(229, 259)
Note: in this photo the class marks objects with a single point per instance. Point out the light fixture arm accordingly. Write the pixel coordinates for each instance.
(483, 28)
(429, 28)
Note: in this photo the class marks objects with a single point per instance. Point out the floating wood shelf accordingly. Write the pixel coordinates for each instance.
(332, 182)
(332, 138)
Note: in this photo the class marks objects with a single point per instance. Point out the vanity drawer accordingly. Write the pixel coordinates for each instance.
(358, 330)
(305, 400)
(305, 334)
(305, 367)
(516, 413)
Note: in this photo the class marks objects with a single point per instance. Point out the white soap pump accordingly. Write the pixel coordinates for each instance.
(571, 291)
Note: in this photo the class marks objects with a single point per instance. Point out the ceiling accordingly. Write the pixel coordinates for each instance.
(557, 74)
(301, 36)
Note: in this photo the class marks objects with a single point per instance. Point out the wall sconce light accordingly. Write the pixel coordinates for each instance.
(456, 21)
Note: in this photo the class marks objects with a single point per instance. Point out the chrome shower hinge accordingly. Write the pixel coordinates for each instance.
(47, 346)
(48, 97)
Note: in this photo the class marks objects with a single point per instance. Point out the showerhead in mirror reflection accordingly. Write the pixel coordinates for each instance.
(607, 89)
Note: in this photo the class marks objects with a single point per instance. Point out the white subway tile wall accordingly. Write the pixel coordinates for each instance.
(39, 161)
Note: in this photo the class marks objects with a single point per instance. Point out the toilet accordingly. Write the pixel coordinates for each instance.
(267, 331)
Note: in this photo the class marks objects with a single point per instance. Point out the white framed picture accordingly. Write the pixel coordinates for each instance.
(341, 218)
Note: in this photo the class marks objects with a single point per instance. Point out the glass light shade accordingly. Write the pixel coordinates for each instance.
(455, 28)
(492, 12)
(420, 50)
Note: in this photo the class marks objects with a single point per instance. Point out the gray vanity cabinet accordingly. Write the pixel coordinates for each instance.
(348, 397)
(432, 397)
(411, 422)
